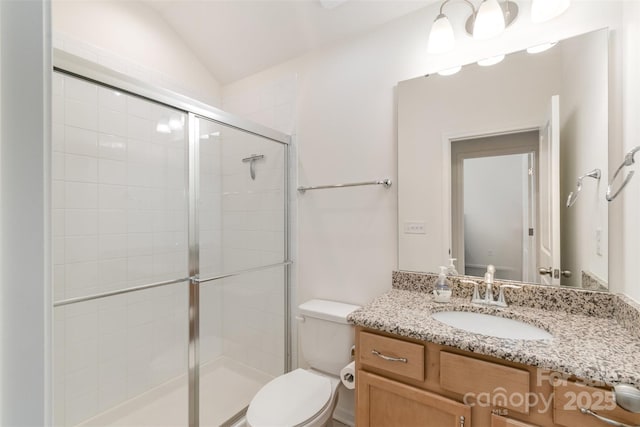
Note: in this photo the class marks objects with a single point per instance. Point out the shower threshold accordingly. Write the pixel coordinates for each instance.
(226, 388)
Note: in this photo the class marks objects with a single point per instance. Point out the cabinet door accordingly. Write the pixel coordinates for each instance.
(500, 421)
(382, 402)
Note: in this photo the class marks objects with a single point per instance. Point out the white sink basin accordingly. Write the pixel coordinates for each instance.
(494, 326)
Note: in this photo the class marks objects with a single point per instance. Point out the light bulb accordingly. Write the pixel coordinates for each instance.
(544, 10)
(441, 38)
(489, 20)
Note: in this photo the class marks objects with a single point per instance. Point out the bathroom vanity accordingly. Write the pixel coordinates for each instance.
(413, 370)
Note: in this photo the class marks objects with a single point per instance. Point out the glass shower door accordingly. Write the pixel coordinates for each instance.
(241, 220)
(120, 228)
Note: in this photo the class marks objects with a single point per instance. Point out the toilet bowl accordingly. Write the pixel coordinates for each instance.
(307, 397)
(299, 398)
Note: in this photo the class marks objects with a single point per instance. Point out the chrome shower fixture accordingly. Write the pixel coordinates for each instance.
(252, 160)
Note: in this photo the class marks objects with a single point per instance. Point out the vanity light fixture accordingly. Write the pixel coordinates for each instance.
(541, 47)
(545, 10)
(489, 20)
(491, 61)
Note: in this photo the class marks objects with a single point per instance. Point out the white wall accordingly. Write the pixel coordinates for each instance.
(25, 293)
(346, 130)
(583, 132)
(132, 38)
(628, 265)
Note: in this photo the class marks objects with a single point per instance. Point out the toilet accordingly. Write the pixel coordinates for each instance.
(307, 397)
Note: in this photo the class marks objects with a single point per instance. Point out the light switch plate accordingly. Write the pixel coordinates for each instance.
(414, 227)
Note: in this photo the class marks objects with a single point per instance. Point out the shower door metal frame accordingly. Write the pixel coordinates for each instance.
(89, 71)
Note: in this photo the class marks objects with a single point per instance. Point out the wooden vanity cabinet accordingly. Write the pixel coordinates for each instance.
(402, 382)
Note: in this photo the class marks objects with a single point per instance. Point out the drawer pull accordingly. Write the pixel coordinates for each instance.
(606, 420)
(389, 358)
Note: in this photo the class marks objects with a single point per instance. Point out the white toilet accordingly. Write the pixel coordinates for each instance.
(307, 397)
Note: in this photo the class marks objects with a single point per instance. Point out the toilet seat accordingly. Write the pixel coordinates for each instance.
(291, 399)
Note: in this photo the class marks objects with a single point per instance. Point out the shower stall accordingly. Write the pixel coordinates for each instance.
(171, 264)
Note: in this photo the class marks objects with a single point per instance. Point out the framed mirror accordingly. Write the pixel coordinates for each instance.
(497, 165)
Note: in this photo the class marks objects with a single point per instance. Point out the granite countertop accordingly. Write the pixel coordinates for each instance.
(599, 349)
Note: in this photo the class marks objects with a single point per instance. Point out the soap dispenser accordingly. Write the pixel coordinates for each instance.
(451, 269)
(442, 291)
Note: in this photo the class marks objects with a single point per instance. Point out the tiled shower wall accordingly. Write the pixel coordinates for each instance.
(242, 226)
(119, 220)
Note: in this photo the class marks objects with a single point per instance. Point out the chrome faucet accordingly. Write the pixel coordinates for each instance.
(488, 295)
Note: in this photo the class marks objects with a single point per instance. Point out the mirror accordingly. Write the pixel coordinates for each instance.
(487, 160)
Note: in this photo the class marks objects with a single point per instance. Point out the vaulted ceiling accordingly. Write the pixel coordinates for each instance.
(237, 38)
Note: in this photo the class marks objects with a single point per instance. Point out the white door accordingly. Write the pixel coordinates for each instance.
(549, 205)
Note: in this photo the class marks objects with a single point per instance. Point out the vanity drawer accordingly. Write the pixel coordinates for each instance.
(504, 386)
(391, 355)
(569, 397)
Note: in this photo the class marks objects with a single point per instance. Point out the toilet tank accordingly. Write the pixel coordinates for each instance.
(326, 337)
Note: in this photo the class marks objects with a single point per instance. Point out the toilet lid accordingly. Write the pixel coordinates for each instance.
(289, 399)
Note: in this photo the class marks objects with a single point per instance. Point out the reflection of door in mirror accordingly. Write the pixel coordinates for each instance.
(497, 226)
(549, 249)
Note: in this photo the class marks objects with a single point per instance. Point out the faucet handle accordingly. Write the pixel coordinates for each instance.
(476, 295)
(501, 301)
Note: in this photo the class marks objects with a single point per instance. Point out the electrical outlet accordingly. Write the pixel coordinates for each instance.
(599, 241)
(414, 228)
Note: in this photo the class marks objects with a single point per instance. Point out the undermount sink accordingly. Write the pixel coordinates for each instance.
(494, 326)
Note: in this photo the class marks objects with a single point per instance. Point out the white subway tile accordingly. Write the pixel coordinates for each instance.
(112, 272)
(81, 275)
(82, 330)
(58, 251)
(81, 114)
(112, 222)
(112, 246)
(81, 382)
(57, 222)
(81, 249)
(78, 195)
(112, 99)
(57, 84)
(112, 147)
(112, 197)
(57, 109)
(80, 168)
(139, 269)
(139, 107)
(112, 322)
(81, 222)
(112, 172)
(139, 313)
(112, 391)
(113, 345)
(139, 244)
(140, 129)
(57, 165)
(140, 221)
(57, 137)
(80, 90)
(79, 408)
(81, 141)
(112, 122)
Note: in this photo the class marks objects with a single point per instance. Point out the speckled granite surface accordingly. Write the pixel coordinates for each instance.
(595, 335)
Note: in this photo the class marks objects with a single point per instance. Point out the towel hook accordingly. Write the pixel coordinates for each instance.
(573, 196)
(628, 161)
